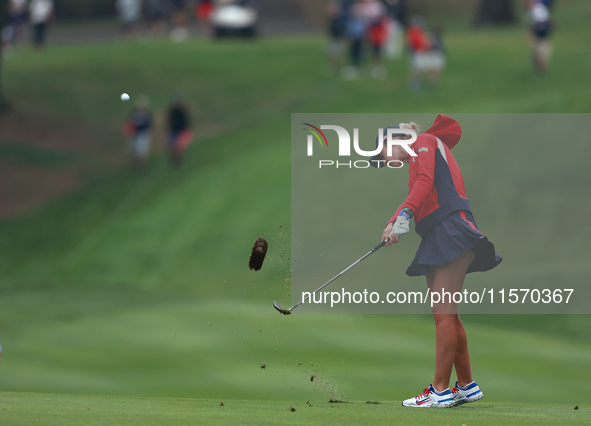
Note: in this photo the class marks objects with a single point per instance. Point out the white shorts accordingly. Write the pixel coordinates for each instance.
(428, 61)
(140, 144)
(436, 61)
(543, 49)
(419, 61)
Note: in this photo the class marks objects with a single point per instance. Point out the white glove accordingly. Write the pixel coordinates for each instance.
(401, 226)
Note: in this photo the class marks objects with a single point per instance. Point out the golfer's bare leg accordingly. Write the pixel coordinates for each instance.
(448, 278)
(462, 358)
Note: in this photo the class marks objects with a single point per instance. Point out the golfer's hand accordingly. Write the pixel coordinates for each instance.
(388, 235)
(402, 224)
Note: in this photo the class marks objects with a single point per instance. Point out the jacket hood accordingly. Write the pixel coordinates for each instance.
(447, 129)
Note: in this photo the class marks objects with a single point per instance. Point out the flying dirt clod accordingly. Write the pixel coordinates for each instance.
(259, 251)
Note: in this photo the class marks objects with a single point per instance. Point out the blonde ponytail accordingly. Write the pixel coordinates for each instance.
(411, 126)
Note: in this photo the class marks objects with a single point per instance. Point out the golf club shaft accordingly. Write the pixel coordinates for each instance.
(373, 250)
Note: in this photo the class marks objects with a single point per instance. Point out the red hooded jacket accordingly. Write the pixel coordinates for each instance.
(435, 183)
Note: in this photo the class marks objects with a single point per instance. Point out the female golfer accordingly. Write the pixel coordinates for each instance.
(451, 246)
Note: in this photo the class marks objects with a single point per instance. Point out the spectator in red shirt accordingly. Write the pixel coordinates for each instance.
(378, 36)
(418, 48)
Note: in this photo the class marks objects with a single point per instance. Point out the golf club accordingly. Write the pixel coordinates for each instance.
(288, 311)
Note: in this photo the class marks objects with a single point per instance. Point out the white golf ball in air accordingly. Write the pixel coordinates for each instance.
(124, 97)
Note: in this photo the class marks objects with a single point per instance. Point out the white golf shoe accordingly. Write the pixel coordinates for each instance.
(431, 398)
(464, 394)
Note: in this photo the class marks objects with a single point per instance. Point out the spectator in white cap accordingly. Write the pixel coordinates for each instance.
(41, 12)
(541, 28)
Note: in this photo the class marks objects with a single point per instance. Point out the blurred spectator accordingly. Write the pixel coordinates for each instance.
(180, 134)
(203, 13)
(541, 28)
(17, 16)
(419, 46)
(179, 20)
(130, 12)
(378, 36)
(157, 14)
(396, 11)
(436, 61)
(395, 44)
(338, 14)
(41, 12)
(363, 14)
(427, 53)
(6, 39)
(138, 128)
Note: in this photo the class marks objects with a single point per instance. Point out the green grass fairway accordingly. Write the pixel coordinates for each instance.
(31, 409)
(151, 344)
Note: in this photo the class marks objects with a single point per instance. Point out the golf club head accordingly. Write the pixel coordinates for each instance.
(280, 309)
